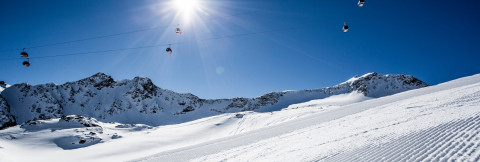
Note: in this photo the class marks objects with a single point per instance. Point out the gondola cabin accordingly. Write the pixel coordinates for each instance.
(361, 3)
(345, 28)
(24, 54)
(178, 31)
(26, 64)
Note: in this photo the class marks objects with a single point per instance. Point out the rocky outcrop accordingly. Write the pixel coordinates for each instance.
(6, 119)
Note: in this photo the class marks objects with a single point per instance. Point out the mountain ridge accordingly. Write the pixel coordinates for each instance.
(140, 101)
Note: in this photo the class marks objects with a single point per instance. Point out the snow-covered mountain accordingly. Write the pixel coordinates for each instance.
(436, 123)
(140, 101)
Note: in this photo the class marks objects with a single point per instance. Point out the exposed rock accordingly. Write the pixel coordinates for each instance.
(6, 119)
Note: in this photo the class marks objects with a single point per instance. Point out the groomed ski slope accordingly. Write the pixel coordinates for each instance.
(434, 123)
(46, 140)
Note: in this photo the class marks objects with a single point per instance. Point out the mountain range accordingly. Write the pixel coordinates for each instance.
(139, 101)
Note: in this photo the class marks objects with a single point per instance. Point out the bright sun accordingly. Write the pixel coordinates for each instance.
(187, 7)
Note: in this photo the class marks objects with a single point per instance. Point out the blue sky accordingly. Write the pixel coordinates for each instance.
(436, 41)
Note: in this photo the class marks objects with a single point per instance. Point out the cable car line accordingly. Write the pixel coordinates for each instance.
(256, 11)
(169, 45)
(168, 49)
(93, 52)
(143, 30)
(261, 32)
(86, 39)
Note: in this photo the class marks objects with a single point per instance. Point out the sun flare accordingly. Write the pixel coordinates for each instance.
(186, 5)
(187, 8)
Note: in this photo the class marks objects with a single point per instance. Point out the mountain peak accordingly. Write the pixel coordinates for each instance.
(100, 76)
(143, 80)
(377, 85)
(98, 80)
(372, 74)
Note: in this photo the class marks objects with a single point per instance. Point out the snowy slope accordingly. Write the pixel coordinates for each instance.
(140, 101)
(397, 127)
(118, 142)
(330, 129)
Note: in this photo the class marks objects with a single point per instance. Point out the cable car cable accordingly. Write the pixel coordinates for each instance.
(85, 39)
(137, 31)
(160, 45)
(92, 52)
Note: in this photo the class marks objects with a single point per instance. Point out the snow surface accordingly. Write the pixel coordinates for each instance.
(437, 122)
(341, 134)
(135, 141)
(332, 101)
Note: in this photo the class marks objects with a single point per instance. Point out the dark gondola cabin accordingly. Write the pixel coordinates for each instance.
(361, 3)
(178, 31)
(24, 54)
(345, 28)
(26, 64)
